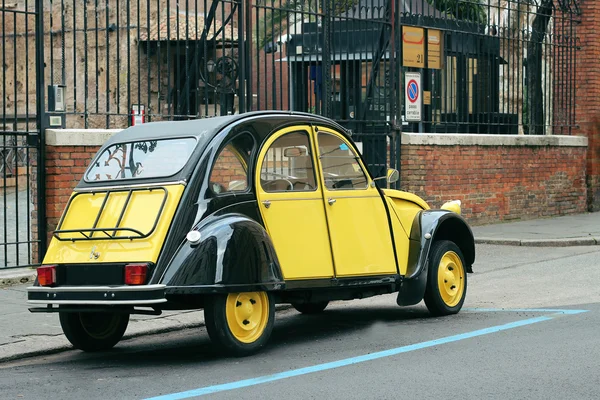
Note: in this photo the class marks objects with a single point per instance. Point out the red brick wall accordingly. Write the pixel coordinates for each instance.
(494, 183)
(587, 99)
(498, 183)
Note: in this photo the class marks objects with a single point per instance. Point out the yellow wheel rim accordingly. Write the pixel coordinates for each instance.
(247, 315)
(451, 278)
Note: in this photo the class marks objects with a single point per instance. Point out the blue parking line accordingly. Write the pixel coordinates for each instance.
(369, 357)
(533, 310)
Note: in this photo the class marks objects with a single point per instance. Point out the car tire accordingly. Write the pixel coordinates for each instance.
(240, 323)
(95, 331)
(446, 279)
(310, 308)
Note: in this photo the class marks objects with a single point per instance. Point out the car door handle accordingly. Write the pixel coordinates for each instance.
(267, 203)
(331, 201)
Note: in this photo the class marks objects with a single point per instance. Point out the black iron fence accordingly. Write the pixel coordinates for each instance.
(18, 133)
(480, 66)
(376, 66)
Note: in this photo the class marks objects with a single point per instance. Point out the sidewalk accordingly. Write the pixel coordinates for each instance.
(24, 334)
(571, 230)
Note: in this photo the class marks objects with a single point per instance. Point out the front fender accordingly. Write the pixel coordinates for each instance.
(429, 226)
(235, 253)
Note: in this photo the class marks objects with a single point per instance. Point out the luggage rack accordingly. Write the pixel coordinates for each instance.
(110, 233)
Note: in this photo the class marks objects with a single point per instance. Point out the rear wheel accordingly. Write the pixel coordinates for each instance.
(310, 308)
(94, 331)
(446, 279)
(240, 323)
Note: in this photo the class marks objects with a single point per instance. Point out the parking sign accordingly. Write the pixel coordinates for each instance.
(413, 98)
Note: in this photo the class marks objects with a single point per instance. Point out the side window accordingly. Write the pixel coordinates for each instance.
(341, 169)
(230, 170)
(288, 165)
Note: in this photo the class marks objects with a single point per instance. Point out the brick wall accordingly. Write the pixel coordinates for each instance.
(498, 182)
(496, 177)
(587, 99)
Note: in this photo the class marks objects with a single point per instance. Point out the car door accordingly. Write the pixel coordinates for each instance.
(356, 215)
(291, 204)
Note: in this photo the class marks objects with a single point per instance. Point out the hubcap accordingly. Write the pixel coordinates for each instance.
(247, 315)
(451, 279)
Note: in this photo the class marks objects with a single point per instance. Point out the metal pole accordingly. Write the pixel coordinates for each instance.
(41, 126)
(241, 29)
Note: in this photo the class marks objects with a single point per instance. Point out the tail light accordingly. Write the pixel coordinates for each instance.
(46, 275)
(135, 274)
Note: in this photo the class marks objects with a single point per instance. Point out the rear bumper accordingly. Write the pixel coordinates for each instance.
(97, 295)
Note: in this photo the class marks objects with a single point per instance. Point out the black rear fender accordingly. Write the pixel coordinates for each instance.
(234, 254)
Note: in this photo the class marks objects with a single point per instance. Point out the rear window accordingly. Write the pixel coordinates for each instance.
(141, 160)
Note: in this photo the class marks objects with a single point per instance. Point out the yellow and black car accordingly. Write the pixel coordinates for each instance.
(233, 215)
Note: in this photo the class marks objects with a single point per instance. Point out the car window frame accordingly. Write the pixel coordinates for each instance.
(358, 158)
(249, 163)
(132, 179)
(312, 152)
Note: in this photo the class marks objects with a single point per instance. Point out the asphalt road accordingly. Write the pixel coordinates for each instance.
(528, 331)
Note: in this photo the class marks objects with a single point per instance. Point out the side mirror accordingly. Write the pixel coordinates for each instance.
(392, 176)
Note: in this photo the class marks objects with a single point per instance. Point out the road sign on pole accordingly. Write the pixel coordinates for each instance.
(413, 98)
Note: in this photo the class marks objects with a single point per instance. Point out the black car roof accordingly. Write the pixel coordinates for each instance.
(203, 129)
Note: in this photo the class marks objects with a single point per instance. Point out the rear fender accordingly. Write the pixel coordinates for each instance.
(235, 254)
(429, 226)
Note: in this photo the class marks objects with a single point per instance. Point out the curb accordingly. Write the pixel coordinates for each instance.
(565, 242)
(17, 276)
(150, 332)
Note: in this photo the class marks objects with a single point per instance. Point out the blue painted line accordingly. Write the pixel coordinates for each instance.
(350, 361)
(533, 310)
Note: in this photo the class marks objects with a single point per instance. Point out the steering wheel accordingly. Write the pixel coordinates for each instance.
(269, 184)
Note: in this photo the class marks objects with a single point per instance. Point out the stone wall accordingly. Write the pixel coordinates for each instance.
(100, 53)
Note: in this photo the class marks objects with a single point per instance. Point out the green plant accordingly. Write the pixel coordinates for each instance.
(468, 10)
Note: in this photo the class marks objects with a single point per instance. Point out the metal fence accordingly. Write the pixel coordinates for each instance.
(18, 133)
(486, 66)
(378, 67)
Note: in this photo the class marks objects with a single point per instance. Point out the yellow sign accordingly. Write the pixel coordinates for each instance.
(426, 98)
(435, 47)
(413, 47)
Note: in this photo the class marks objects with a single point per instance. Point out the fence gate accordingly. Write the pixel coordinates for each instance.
(19, 134)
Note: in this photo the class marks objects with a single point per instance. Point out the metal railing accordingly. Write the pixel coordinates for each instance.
(19, 242)
(483, 66)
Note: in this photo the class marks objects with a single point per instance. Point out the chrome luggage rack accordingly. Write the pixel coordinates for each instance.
(110, 233)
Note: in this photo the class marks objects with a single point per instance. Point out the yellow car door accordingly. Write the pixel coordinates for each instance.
(291, 204)
(356, 215)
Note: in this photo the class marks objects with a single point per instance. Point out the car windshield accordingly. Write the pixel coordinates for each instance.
(141, 160)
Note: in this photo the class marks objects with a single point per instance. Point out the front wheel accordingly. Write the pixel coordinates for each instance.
(446, 279)
(93, 331)
(240, 323)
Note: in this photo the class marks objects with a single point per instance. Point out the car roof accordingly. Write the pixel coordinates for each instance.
(203, 129)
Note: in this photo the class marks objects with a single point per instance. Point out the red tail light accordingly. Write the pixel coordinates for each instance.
(135, 274)
(46, 275)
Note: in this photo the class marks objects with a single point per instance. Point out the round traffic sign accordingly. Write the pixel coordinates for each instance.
(412, 90)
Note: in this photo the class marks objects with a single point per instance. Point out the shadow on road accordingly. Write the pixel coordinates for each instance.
(192, 346)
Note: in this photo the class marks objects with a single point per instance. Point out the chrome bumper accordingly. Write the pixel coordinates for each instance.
(97, 295)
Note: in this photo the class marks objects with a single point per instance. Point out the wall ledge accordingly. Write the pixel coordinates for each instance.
(78, 137)
(465, 139)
